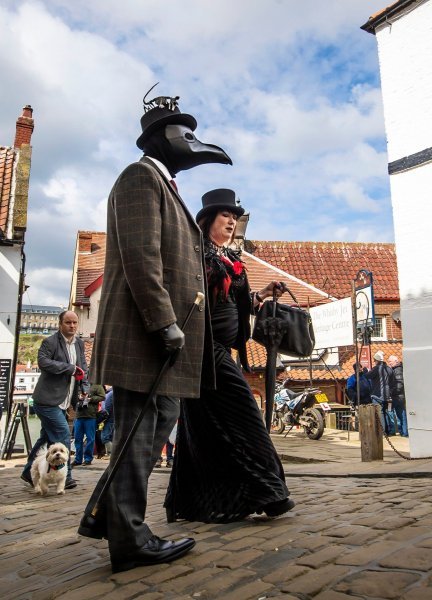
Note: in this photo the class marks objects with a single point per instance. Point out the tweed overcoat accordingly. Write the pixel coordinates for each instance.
(56, 371)
(153, 270)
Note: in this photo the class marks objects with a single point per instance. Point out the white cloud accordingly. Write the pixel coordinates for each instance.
(289, 89)
(354, 196)
(47, 286)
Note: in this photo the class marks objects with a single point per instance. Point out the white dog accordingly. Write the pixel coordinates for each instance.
(50, 467)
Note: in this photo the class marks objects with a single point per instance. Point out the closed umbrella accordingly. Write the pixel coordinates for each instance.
(274, 329)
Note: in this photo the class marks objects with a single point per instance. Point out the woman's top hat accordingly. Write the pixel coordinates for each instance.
(161, 111)
(219, 199)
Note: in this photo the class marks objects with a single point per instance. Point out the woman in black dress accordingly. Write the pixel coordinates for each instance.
(225, 465)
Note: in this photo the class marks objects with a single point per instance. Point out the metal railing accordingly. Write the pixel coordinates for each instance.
(344, 420)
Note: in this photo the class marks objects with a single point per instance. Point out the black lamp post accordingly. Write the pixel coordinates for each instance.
(363, 299)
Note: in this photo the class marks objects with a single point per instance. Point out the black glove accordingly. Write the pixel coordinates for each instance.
(172, 340)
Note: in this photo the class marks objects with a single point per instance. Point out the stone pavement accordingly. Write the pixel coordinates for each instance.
(358, 531)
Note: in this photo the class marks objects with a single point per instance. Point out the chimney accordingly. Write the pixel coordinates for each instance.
(84, 241)
(94, 247)
(24, 127)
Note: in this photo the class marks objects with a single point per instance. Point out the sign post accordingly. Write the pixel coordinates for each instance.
(364, 315)
(364, 321)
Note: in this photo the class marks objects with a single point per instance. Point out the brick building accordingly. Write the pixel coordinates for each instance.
(332, 266)
(15, 164)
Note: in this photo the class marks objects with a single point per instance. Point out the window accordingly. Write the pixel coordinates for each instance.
(379, 331)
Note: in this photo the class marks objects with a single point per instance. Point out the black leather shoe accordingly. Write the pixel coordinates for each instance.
(274, 509)
(70, 483)
(27, 479)
(154, 552)
(92, 527)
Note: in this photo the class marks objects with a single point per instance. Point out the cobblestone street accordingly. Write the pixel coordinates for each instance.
(347, 537)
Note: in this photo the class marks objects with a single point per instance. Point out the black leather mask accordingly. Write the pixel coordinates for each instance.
(179, 150)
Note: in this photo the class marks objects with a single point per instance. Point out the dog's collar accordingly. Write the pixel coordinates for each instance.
(55, 468)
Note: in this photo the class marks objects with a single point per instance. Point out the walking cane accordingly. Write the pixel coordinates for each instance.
(168, 362)
(270, 369)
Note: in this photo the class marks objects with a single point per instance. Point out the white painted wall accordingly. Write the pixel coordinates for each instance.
(25, 381)
(87, 319)
(405, 57)
(10, 262)
(405, 54)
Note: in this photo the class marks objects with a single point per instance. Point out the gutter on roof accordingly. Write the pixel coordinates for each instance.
(303, 362)
(385, 15)
(10, 242)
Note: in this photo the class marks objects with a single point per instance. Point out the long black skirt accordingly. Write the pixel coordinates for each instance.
(225, 464)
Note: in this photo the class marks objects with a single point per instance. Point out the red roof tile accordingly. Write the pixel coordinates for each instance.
(260, 273)
(331, 266)
(91, 247)
(256, 355)
(383, 10)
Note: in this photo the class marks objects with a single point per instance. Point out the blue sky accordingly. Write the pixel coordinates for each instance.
(289, 89)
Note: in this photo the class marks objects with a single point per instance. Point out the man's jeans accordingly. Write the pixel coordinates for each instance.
(85, 426)
(387, 422)
(400, 410)
(54, 428)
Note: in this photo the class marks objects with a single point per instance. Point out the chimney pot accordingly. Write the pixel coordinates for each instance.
(24, 127)
(27, 111)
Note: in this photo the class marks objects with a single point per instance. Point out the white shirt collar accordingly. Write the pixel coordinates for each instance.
(161, 166)
(67, 341)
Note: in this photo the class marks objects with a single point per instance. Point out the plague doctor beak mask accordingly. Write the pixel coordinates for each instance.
(167, 135)
(189, 152)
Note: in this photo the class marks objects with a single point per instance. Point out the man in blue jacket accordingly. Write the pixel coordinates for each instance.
(63, 366)
(364, 388)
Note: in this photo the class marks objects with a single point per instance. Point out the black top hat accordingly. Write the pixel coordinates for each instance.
(218, 200)
(160, 116)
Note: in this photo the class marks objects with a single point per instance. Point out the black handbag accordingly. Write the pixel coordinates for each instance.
(289, 328)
